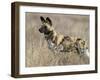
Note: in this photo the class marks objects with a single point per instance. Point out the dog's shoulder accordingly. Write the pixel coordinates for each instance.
(59, 38)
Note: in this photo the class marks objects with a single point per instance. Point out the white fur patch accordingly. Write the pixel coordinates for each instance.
(87, 52)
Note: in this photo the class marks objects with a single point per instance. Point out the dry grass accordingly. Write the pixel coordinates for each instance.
(37, 52)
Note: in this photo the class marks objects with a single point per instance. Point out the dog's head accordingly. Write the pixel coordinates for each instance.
(46, 26)
(82, 45)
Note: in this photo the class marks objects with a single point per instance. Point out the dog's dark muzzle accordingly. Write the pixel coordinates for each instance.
(44, 30)
(40, 30)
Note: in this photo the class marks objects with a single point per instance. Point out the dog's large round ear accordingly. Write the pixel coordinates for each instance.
(42, 19)
(48, 20)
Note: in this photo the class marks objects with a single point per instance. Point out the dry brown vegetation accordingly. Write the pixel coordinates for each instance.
(37, 52)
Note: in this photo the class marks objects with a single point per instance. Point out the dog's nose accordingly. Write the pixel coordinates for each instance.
(39, 30)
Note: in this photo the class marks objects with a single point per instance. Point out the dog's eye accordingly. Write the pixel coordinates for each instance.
(45, 27)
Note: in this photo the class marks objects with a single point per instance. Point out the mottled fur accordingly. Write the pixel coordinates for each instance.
(60, 42)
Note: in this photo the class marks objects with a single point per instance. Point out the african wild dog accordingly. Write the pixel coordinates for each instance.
(59, 42)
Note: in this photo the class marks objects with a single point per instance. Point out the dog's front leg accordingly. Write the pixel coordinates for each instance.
(51, 45)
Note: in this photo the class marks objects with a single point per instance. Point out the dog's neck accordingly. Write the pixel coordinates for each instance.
(49, 36)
